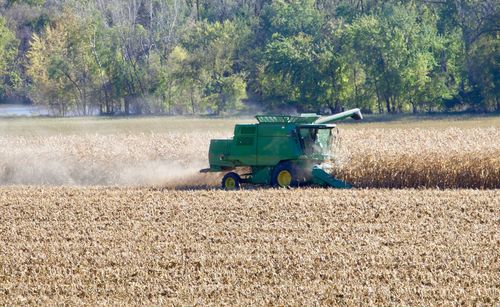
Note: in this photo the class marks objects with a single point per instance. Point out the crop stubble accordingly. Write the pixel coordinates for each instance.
(367, 157)
(146, 245)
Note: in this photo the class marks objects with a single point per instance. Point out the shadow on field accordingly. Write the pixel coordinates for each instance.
(246, 187)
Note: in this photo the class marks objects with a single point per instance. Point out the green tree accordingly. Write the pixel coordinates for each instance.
(303, 59)
(477, 24)
(201, 56)
(173, 83)
(399, 49)
(289, 48)
(8, 52)
(485, 72)
(28, 2)
(212, 48)
(62, 66)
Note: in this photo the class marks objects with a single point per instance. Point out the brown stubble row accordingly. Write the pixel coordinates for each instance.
(305, 246)
(391, 158)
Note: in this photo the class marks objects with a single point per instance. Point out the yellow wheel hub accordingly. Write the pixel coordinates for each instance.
(284, 178)
(230, 183)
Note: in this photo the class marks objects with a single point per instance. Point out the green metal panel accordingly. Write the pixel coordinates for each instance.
(245, 129)
(276, 143)
(244, 145)
(261, 175)
(218, 151)
(283, 130)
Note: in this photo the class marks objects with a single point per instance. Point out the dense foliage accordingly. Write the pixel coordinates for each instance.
(201, 56)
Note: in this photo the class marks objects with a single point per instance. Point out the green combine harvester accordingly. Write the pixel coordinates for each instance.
(281, 151)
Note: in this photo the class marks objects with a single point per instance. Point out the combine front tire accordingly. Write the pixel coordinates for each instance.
(285, 175)
(231, 181)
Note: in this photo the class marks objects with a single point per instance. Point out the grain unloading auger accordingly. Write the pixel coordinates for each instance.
(280, 151)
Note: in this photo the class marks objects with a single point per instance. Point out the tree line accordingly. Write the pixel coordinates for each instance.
(217, 56)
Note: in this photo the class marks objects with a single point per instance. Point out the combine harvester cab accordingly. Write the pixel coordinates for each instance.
(281, 151)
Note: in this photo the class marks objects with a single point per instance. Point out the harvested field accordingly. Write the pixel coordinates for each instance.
(367, 157)
(308, 246)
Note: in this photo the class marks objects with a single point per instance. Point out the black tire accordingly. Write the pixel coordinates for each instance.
(231, 181)
(285, 167)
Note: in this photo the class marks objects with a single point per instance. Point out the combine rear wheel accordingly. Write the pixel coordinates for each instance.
(285, 175)
(231, 181)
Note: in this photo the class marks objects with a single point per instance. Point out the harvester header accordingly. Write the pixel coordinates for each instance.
(280, 150)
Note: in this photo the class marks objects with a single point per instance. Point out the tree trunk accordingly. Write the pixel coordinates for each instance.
(388, 104)
(414, 107)
(355, 86)
(197, 10)
(126, 103)
(337, 108)
(379, 100)
(192, 101)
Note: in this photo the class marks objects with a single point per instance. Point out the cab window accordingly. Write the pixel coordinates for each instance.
(315, 140)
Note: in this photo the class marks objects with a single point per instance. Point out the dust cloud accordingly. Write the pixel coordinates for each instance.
(166, 160)
(59, 170)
